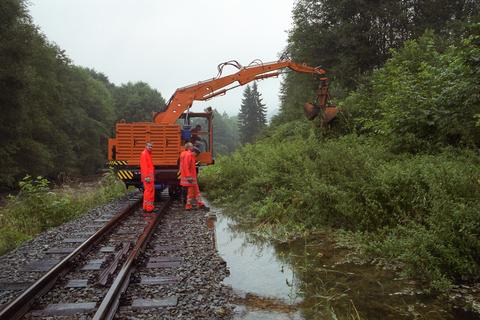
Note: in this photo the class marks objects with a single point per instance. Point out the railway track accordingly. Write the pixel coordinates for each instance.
(128, 266)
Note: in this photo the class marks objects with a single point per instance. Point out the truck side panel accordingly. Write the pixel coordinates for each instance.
(132, 137)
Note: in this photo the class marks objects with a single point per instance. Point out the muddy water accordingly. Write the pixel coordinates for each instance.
(314, 279)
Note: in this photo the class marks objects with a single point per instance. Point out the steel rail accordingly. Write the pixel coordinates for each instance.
(18, 307)
(110, 303)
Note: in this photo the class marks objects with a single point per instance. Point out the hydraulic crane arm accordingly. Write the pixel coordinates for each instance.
(183, 98)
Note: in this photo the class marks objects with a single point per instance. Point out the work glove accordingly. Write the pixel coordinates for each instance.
(147, 179)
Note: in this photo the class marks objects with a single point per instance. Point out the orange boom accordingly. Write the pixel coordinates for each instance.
(172, 128)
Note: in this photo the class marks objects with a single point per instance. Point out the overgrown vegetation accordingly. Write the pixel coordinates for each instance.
(401, 171)
(427, 96)
(420, 209)
(36, 208)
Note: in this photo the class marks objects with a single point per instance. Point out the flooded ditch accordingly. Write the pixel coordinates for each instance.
(314, 279)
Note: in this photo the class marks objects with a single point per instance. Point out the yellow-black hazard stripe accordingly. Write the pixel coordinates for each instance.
(118, 163)
(125, 174)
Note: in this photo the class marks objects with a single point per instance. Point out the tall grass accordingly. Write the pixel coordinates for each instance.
(36, 208)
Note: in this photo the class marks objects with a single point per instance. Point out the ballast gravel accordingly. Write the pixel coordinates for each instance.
(183, 248)
(12, 264)
(187, 237)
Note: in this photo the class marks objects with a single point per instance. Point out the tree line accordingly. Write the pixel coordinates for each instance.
(225, 133)
(56, 116)
(351, 38)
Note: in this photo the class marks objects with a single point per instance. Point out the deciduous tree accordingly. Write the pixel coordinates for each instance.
(137, 101)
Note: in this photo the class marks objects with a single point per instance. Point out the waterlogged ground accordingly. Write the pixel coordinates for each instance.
(315, 279)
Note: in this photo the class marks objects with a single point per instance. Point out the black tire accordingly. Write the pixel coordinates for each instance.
(174, 191)
(158, 196)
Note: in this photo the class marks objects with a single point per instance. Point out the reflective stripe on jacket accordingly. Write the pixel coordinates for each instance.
(188, 171)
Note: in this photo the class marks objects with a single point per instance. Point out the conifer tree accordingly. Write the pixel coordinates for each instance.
(252, 118)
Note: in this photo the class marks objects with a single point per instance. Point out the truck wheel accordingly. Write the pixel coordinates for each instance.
(158, 196)
(174, 192)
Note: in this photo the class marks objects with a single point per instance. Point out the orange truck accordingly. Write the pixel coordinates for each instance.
(172, 128)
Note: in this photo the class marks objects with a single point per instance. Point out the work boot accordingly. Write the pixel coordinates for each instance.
(188, 207)
(203, 207)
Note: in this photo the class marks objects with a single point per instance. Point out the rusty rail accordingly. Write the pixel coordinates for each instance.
(103, 278)
(110, 303)
(18, 307)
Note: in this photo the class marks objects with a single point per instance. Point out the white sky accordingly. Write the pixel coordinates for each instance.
(169, 44)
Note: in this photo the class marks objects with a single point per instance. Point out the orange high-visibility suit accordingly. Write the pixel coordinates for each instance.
(188, 178)
(147, 170)
(183, 154)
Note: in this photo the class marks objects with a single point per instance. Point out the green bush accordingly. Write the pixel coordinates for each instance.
(425, 97)
(419, 209)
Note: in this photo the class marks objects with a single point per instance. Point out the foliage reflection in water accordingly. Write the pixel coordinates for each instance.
(313, 278)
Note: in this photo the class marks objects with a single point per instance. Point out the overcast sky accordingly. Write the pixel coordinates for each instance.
(169, 44)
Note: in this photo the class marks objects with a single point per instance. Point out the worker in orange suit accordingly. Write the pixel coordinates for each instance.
(188, 148)
(188, 178)
(147, 171)
(197, 196)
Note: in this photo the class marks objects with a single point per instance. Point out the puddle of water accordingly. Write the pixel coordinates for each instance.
(257, 275)
(312, 279)
(254, 269)
(268, 315)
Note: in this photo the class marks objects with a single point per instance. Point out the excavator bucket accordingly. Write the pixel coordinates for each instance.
(328, 113)
(311, 110)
